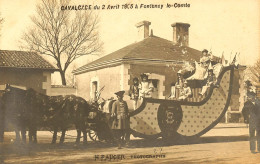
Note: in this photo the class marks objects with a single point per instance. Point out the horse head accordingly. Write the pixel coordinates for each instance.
(14, 88)
(7, 91)
(7, 88)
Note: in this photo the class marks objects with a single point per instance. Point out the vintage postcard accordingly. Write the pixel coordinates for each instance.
(158, 81)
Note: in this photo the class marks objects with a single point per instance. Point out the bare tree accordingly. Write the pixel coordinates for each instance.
(64, 35)
(255, 72)
(252, 73)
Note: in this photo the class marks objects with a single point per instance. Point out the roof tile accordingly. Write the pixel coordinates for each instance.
(153, 47)
(23, 59)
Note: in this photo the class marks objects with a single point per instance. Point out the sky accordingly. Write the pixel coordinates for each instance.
(227, 26)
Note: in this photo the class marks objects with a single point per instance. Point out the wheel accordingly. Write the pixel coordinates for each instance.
(93, 135)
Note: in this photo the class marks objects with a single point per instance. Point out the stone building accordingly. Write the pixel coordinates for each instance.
(25, 69)
(151, 54)
(238, 94)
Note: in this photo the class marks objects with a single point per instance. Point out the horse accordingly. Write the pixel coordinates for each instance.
(13, 110)
(59, 112)
(30, 109)
(2, 120)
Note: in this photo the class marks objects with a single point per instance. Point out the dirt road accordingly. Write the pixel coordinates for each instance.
(209, 149)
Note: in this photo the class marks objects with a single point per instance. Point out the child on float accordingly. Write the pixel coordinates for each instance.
(211, 80)
(134, 92)
(185, 91)
(177, 85)
(145, 87)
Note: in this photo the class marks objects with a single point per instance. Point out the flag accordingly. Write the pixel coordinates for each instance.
(234, 61)
(223, 61)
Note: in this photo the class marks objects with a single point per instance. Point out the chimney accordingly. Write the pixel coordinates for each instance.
(181, 33)
(143, 30)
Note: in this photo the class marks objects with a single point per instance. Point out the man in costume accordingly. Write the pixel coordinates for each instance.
(251, 113)
(120, 116)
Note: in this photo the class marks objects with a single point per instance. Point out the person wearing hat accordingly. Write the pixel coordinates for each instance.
(134, 91)
(211, 80)
(180, 79)
(120, 117)
(177, 85)
(205, 59)
(145, 87)
(205, 56)
(185, 92)
(251, 113)
(250, 87)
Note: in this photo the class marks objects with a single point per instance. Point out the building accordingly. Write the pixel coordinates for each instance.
(26, 69)
(238, 94)
(151, 54)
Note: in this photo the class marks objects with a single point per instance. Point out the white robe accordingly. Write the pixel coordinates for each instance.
(145, 89)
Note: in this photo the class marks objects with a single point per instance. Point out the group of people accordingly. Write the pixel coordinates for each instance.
(140, 90)
(204, 71)
(120, 112)
(207, 70)
(182, 86)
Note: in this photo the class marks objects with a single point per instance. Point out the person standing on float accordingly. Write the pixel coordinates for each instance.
(145, 87)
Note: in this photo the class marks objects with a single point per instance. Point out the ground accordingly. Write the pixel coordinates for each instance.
(226, 143)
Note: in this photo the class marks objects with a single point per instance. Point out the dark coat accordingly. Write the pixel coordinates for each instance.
(120, 115)
(251, 113)
(134, 92)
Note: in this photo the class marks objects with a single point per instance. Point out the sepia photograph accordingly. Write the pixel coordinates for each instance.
(130, 81)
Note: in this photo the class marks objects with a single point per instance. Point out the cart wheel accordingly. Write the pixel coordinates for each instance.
(93, 135)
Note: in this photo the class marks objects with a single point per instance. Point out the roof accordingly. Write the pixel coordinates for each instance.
(23, 59)
(151, 49)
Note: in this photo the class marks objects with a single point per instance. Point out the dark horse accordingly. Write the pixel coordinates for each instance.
(58, 113)
(2, 123)
(32, 110)
(13, 111)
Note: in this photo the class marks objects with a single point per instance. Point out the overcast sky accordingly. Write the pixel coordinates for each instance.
(220, 25)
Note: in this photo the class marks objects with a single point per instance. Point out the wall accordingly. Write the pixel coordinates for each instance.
(233, 114)
(108, 77)
(238, 91)
(36, 79)
(121, 77)
(62, 90)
